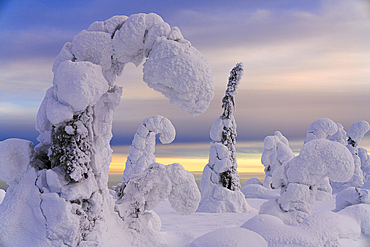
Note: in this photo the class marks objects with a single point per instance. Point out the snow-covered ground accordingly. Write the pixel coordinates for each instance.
(180, 230)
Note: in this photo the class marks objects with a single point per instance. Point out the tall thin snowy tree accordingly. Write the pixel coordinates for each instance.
(220, 185)
(230, 177)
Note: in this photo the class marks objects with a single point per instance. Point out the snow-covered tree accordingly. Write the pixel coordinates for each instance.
(224, 130)
(142, 192)
(318, 159)
(220, 186)
(141, 151)
(354, 136)
(276, 152)
(65, 180)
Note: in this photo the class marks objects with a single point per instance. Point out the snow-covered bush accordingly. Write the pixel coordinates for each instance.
(318, 159)
(60, 189)
(142, 192)
(220, 186)
(276, 152)
(354, 136)
(141, 151)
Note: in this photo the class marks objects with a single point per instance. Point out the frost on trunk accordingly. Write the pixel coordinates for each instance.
(60, 187)
(141, 151)
(220, 186)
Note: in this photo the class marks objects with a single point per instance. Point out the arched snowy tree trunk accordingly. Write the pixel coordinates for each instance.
(68, 201)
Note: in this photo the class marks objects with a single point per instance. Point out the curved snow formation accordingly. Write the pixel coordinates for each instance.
(321, 129)
(357, 132)
(317, 160)
(142, 192)
(141, 151)
(173, 66)
(61, 187)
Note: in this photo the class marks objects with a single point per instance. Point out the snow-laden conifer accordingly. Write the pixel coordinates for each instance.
(220, 186)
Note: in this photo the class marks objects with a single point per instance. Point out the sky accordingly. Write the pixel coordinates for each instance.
(303, 60)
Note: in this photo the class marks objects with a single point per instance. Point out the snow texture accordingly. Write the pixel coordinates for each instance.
(60, 189)
(365, 163)
(318, 159)
(219, 185)
(321, 129)
(340, 136)
(276, 152)
(142, 192)
(230, 237)
(360, 157)
(141, 151)
(321, 229)
(259, 191)
(15, 158)
(357, 132)
(351, 196)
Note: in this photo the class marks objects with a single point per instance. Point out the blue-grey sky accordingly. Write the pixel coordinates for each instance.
(303, 60)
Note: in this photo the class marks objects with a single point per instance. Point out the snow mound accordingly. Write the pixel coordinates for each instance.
(229, 237)
(259, 191)
(15, 157)
(321, 229)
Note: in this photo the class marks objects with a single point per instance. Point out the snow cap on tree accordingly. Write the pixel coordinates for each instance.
(357, 132)
(321, 129)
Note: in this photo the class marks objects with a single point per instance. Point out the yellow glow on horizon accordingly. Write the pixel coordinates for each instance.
(247, 163)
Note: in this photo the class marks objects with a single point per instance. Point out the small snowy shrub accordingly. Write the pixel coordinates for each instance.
(142, 192)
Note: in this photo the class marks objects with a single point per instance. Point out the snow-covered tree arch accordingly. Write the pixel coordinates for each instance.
(68, 201)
